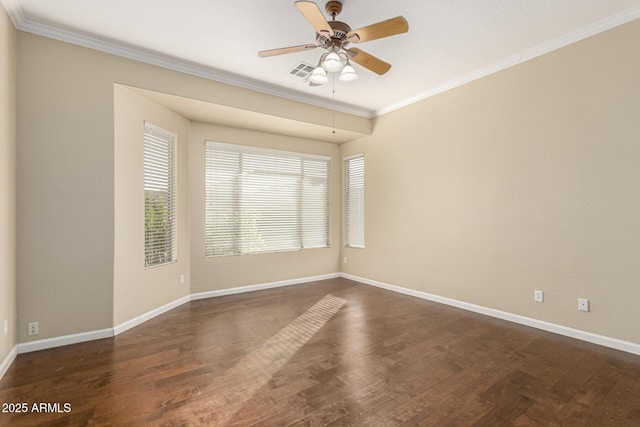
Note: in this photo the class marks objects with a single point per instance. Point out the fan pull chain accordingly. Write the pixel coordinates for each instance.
(333, 98)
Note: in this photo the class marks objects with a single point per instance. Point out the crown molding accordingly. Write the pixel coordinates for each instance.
(17, 16)
(534, 52)
(14, 11)
(153, 58)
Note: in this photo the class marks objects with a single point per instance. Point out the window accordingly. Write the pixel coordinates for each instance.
(261, 200)
(354, 201)
(160, 246)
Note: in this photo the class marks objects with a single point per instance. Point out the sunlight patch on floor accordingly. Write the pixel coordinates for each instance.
(255, 370)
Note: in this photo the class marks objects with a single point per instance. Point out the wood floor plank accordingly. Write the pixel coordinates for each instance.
(381, 359)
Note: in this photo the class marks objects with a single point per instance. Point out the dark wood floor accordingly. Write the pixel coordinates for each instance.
(276, 357)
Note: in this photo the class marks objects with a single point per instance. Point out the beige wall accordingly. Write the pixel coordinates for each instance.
(65, 188)
(7, 184)
(66, 185)
(216, 273)
(526, 179)
(519, 181)
(138, 290)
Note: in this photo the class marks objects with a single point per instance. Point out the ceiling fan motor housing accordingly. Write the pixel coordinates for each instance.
(339, 38)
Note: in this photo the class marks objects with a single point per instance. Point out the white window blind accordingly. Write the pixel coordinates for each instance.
(160, 234)
(354, 202)
(260, 200)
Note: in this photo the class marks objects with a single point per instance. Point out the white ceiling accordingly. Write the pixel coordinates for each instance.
(450, 42)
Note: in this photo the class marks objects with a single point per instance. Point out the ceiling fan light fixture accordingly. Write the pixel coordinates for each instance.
(319, 76)
(332, 62)
(348, 74)
(335, 36)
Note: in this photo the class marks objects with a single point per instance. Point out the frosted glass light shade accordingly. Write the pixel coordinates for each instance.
(318, 76)
(332, 62)
(348, 74)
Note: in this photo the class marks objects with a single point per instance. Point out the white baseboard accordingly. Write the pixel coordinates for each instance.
(125, 326)
(47, 343)
(8, 360)
(110, 332)
(99, 334)
(213, 294)
(252, 288)
(515, 318)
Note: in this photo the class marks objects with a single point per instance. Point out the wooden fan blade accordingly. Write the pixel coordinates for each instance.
(390, 27)
(283, 50)
(368, 61)
(312, 12)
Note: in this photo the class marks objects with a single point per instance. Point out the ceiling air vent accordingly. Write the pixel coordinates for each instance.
(302, 70)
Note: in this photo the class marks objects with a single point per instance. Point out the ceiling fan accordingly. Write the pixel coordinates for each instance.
(336, 37)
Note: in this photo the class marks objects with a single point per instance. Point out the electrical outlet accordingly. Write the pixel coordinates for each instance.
(5, 327)
(345, 260)
(33, 328)
(583, 304)
(538, 296)
(182, 279)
